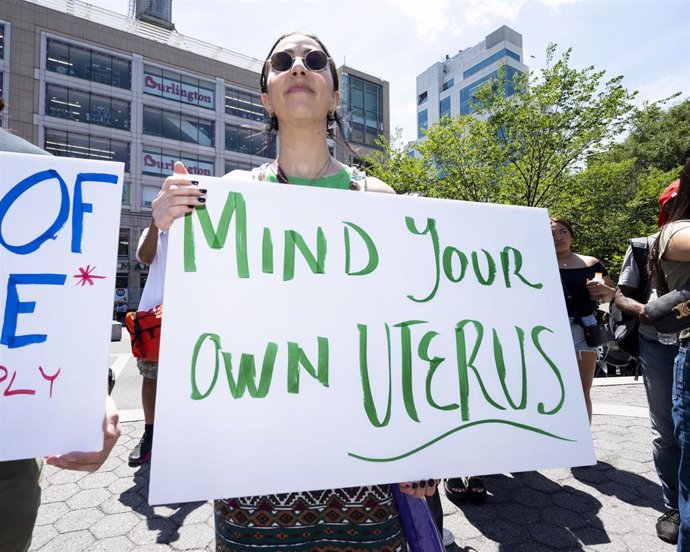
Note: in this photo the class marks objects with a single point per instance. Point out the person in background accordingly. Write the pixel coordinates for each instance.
(656, 363)
(152, 250)
(300, 92)
(585, 284)
(669, 266)
(20, 491)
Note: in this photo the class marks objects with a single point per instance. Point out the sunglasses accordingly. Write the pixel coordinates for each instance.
(315, 60)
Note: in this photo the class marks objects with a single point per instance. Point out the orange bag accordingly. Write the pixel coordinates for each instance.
(144, 328)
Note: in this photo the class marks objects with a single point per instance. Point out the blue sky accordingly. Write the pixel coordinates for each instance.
(646, 41)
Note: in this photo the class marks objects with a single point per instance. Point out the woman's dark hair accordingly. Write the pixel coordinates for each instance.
(563, 222)
(332, 117)
(679, 211)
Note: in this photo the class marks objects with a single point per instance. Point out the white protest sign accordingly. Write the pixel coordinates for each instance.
(317, 338)
(59, 221)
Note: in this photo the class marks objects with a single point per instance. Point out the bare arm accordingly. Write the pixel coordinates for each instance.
(146, 251)
(627, 304)
(678, 248)
(376, 185)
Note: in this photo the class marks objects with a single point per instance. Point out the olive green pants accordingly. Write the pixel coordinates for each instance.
(20, 497)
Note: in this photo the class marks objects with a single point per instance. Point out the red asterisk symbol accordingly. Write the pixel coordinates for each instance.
(85, 276)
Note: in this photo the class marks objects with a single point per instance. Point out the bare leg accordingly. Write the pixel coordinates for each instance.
(586, 362)
(148, 399)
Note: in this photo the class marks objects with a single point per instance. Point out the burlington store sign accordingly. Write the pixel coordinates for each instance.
(179, 91)
(157, 163)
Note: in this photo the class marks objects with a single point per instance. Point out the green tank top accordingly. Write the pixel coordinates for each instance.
(339, 181)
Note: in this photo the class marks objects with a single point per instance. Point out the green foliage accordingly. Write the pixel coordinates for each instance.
(556, 143)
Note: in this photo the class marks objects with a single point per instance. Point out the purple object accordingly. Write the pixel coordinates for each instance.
(418, 524)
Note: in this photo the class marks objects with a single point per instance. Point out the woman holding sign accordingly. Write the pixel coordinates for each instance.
(585, 284)
(299, 85)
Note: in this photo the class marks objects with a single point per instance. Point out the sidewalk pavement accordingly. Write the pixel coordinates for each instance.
(609, 507)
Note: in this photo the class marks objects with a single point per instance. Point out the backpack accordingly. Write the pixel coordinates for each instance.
(626, 327)
(144, 328)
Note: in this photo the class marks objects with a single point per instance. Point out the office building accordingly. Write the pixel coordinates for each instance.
(446, 88)
(81, 81)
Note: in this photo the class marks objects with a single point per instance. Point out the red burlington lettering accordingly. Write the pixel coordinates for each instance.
(51, 379)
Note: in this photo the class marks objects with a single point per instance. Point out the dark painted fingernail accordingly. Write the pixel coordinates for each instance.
(203, 190)
(201, 199)
(422, 484)
(195, 182)
(414, 485)
(191, 206)
(431, 482)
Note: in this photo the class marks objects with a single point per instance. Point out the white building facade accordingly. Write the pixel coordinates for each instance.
(446, 88)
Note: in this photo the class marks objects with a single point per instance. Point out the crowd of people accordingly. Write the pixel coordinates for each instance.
(300, 92)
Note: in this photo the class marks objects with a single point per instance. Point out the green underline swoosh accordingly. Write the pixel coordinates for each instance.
(455, 430)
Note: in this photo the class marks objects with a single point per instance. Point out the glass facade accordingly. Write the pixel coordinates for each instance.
(363, 110)
(125, 193)
(448, 84)
(243, 104)
(176, 126)
(84, 63)
(160, 163)
(236, 165)
(244, 139)
(85, 107)
(422, 122)
(72, 144)
(488, 61)
(466, 94)
(123, 243)
(179, 88)
(148, 194)
(444, 107)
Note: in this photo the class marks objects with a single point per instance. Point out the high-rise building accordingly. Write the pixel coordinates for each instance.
(446, 88)
(81, 81)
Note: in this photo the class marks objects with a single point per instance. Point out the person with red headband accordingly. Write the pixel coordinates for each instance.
(655, 359)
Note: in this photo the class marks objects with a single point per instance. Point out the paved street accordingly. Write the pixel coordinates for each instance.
(608, 507)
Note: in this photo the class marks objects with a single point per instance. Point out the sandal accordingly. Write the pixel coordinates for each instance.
(476, 490)
(456, 490)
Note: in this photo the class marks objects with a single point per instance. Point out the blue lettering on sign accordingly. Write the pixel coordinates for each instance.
(54, 228)
(79, 207)
(14, 307)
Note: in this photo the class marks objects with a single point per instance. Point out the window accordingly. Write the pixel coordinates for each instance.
(236, 165)
(488, 61)
(148, 194)
(466, 94)
(2, 41)
(246, 105)
(444, 107)
(125, 193)
(87, 64)
(75, 105)
(422, 98)
(362, 106)
(448, 84)
(179, 88)
(160, 163)
(251, 141)
(177, 126)
(422, 122)
(72, 144)
(123, 243)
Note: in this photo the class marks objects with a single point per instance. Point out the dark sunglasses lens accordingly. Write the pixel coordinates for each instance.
(281, 61)
(316, 60)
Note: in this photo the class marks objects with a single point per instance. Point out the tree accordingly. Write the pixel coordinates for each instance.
(552, 124)
(527, 135)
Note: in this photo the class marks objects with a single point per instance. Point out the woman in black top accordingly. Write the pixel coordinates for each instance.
(585, 283)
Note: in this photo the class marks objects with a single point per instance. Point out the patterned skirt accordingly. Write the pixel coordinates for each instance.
(354, 519)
